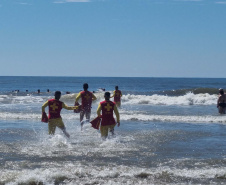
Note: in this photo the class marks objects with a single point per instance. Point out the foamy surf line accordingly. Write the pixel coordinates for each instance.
(129, 99)
(188, 99)
(126, 117)
(76, 174)
(183, 119)
(29, 116)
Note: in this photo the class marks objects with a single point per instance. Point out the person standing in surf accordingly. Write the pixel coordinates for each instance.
(55, 120)
(221, 102)
(117, 94)
(86, 98)
(107, 108)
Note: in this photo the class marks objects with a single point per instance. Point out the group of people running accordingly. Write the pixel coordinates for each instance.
(105, 110)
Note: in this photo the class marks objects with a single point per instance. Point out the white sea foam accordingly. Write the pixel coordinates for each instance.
(29, 107)
(10, 99)
(80, 143)
(99, 95)
(126, 117)
(76, 173)
(169, 118)
(32, 116)
(188, 99)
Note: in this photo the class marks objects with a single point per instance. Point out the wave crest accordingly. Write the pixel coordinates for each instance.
(187, 99)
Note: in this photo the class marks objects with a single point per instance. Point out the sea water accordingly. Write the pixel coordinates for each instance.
(170, 133)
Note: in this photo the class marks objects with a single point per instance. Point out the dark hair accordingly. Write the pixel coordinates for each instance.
(57, 93)
(85, 86)
(221, 91)
(107, 94)
(116, 87)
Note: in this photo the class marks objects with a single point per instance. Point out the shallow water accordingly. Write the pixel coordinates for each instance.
(163, 139)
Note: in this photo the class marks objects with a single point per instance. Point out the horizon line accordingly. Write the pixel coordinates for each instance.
(105, 76)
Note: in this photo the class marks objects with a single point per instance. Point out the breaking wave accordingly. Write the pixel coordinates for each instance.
(180, 92)
(187, 99)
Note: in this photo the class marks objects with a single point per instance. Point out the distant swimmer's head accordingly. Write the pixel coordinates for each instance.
(116, 87)
(57, 95)
(221, 91)
(107, 95)
(85, 86)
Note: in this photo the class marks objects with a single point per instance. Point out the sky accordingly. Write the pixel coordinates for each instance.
(113, 38)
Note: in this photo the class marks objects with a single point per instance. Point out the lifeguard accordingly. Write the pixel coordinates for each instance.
(117, 94)
(107, 108)
(55, 120)
(87, 98)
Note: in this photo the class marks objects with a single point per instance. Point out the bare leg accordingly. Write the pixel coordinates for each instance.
(104, 132)
(82, 113)
(65, 132)
(221, 110)
(118, 104)
(52, 127)
(112, 131)
(88, 116)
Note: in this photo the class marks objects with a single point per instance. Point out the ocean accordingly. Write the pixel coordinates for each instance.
(170, 133)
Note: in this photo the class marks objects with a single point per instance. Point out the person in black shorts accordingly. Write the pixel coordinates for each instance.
(221, 102)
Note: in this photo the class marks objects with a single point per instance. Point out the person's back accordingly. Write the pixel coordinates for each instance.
(222, 98)
(86, 100)
(107, 108)
(117, 96)
(55, 107)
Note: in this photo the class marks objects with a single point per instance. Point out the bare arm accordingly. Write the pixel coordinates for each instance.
(99, 110)
(218, 101)
(113, 94)
(44, 106)
(117, 115)
(68, 107)
(94, 97)
(77, 97)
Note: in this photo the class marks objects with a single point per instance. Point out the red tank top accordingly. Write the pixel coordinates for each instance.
(86, 100)
(117, 97)
(107, 108)
(55, 107)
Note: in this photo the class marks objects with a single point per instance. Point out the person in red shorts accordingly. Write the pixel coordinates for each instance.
(107, 108)
(55, 120)
(86, 97)
(117, 94)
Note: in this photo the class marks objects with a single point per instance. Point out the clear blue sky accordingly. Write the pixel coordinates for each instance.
(149, 38)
